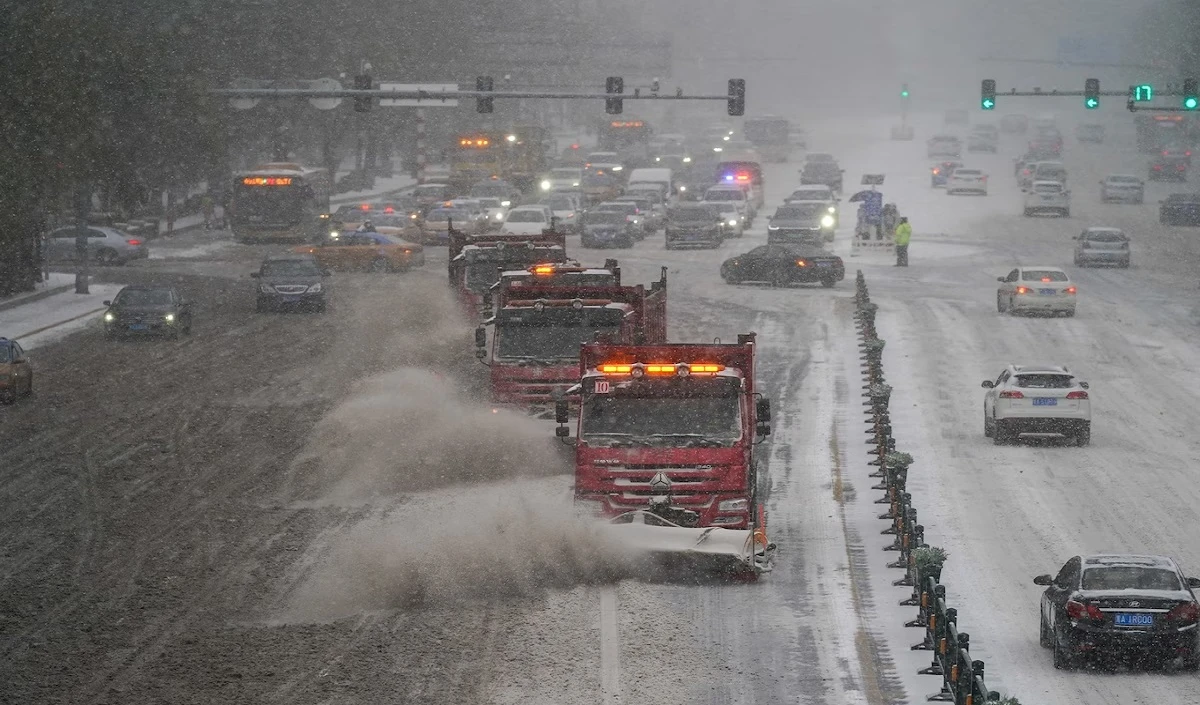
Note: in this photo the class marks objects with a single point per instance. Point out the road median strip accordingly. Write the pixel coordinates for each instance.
(962, 677)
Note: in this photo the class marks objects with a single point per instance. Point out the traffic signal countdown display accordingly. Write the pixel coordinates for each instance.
(987, 99)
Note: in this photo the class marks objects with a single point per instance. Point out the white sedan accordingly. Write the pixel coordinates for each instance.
(526, 220)
(967, 181)
(1045, 289)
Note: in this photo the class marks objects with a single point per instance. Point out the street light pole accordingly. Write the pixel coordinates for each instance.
(83, 205)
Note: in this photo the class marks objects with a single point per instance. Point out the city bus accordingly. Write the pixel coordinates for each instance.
(279, 202)
(475, 157)
(628, 138)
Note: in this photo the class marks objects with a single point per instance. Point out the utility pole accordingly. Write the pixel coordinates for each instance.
(83, 206)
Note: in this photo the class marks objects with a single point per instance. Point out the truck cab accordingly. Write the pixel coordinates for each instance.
(671, 425)
(476, 263)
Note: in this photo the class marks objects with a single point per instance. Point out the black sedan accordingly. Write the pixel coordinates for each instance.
(1180, 209)
(781, 265)
(148, 310)
(1120, 606)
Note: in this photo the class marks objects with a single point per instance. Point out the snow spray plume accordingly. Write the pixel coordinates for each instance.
(410, 430)
(514, 540)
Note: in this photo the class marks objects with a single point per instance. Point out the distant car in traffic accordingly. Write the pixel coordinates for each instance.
(290, 281)
(365, 252)
(733, 223)
(1050, 171)
(609, 229)
(104, 246)
(1169, 167)
(1089, 132)
(1047, 197)
(818, 193)
(562, 178)
(783, 265)
(1124, 188)
(967, 181)
(1037, 401)
(148, 310)
(1180, 209)
(801, 222)
(1036, 289)
(16, 372)
(943, 146)
(693, 225)
(1102, 246)
(1120, 606)
(632, 213)
(820, 172)
(940, 173)
(527, 220)
(567, 209)
(437, 225)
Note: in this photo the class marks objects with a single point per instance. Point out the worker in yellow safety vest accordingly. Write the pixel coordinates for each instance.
(901, 238)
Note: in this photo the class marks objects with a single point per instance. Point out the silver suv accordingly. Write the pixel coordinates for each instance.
(1102, 246)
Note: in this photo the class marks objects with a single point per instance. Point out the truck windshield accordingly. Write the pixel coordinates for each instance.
(671, 420)
(553, 334)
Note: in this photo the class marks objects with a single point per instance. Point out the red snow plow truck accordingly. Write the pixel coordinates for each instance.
(543, 314)
(476, 262)
(665, 450)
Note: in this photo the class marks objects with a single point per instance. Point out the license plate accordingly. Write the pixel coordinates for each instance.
(1047, 292)
(1133, 620)
(1045, 401)
(138, 326)
(824, 264)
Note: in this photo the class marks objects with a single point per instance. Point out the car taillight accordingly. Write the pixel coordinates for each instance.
(1022, 290)
(1187, 612)
(135, 242)
(1009, 394)
(801, 263)
(937, 171)
(1180, 167)
(1069, 290)
(1077, 395)
(1080, 610)
(1158, 167)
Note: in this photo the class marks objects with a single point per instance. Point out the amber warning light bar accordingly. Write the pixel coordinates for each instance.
(639, 369)
(267, 181)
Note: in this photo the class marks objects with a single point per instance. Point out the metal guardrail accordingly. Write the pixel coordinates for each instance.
(962, 676)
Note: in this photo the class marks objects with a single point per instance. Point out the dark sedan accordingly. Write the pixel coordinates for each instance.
(1120, 606)
(1180, 209)
(693, 225)
(1169, 168)
(608, 229)
(781, 265)
(148, 310)
(801, 222)
(828, 173)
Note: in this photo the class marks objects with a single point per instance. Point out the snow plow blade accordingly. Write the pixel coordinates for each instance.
(679, 550)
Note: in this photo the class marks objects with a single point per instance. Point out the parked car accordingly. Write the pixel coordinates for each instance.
(104, 246)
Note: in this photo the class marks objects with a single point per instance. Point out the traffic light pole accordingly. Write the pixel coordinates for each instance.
(442, 97)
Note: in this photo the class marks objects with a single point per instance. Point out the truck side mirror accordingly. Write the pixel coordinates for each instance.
(561, 412)
(562, 432)
(481, 337)
(762, 429)
(762, 409)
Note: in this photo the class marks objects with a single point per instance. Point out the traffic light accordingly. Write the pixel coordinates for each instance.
(362, 82)
(483, 105)
(904, 90)
(1091, 93)
(987, 99)
(1190, 100)
(614, 85)
(737, 96)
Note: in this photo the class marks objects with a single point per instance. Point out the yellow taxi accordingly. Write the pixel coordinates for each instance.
(370, 251)
(16, 372)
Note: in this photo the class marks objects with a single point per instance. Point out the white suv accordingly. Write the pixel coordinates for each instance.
(1042, 401)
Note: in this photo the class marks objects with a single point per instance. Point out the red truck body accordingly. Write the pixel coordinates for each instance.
(650, 434)
(476, 262)
(539, 325)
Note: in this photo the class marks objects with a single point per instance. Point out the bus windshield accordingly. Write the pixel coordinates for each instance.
(270, 204)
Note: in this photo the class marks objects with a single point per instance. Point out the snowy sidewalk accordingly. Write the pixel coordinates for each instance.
(47, 319)
(56, 283)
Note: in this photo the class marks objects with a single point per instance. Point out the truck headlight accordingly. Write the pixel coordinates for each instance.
(169, 318)
(545, 185)
(833, 209)
(315, 288)
(827, 221)
(734, 505)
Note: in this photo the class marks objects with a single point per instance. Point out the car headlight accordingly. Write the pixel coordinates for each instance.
(169, 318)
(687, 160)
(833, 209)
(109, 318)
(334, 233)
(827, 221)
(733, 221)
(267, 289)
(315, 288)
(505, 204)
(772, 227)
(499, 216)
(734, 505)
(546, 185)
(683, 188)
(618, 168)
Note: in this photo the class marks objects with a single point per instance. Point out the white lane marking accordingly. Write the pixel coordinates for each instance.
(610, 652)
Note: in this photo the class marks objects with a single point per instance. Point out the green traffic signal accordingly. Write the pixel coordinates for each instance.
(987, 97)
(1092, 104)
(1191, 103)
(988, 104)
(903, 94)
